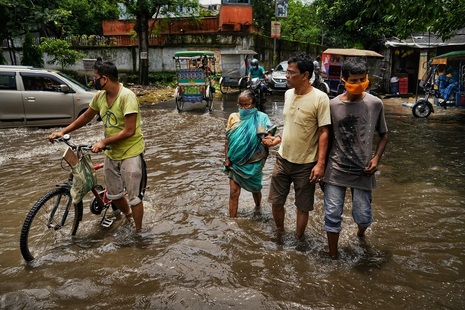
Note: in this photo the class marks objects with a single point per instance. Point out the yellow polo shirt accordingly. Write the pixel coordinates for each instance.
(303, 115)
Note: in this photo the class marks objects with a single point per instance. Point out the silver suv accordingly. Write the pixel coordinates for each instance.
(40, 97)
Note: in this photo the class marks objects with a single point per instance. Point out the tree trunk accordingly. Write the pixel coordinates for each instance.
(143, 35)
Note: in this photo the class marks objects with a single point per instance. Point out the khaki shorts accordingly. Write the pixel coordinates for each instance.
(126, 176)
(285, 173)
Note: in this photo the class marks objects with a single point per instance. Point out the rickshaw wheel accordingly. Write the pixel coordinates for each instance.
(242, 84)
(422, 109)
(179, 104)
(224, 89)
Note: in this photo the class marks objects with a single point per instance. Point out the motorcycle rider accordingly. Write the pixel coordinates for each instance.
(257, 71)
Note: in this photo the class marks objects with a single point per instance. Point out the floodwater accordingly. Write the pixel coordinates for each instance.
(191, 255)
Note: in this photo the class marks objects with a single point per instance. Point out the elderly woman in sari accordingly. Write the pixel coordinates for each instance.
(245, 153)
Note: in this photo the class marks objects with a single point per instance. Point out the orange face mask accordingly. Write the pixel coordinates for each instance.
(356, 89)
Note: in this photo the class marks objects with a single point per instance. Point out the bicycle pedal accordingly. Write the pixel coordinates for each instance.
(106, 222)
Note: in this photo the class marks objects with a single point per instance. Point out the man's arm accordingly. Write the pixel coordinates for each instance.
(372, 166)
(82, 120)
(319, 170)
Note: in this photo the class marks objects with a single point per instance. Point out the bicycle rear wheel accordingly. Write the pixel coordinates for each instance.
(52, 221)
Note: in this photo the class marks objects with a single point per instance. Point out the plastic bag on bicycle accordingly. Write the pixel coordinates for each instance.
(84, 178)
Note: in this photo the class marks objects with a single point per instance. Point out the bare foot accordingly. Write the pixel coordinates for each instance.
(300, 238)
(361, 231)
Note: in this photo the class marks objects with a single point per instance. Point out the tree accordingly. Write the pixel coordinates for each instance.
(336, 18)
(18, 17)
(263, 12)
(148, 11)
(301, 23)
(91, 14)
(60, 51)
(442, 17)
(32, 55)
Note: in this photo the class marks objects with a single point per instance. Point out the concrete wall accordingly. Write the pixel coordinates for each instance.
(161, 57)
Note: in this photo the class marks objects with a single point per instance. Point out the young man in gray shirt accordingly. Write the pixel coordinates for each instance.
(355, 116)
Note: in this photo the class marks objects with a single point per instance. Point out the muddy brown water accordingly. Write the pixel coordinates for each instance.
(190, 255)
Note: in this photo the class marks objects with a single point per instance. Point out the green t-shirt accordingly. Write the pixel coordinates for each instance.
(113, 120)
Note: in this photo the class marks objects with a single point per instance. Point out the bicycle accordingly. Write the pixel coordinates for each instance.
(54, 217)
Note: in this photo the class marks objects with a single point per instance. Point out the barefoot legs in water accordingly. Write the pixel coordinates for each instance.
(333, 239)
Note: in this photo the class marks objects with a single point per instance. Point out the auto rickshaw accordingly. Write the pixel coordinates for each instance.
(331, 67)
(234, 70)
(194, 72)
(453, 63)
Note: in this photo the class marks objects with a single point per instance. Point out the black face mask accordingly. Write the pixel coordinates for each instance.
(97, 84)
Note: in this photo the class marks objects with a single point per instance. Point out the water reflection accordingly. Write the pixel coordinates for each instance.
(190, 255)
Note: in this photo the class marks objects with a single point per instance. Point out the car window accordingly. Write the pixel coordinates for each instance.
(74, 81)
(281, 67)
(43, 83)
(7, 81)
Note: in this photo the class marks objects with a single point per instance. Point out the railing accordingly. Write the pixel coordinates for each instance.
(92, 40)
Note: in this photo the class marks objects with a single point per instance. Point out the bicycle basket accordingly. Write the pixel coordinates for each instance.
(84, 178)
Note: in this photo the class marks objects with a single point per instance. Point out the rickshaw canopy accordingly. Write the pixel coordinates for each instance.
(189, 54)
(444, 58)
(353, 52)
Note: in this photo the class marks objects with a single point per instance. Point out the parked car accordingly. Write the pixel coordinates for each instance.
(277, 78)
(40, 97)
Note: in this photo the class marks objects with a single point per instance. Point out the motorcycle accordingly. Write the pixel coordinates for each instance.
(261, 92)
(317, 81)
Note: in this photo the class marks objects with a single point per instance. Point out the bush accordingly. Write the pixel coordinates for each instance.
(158, 79)
(60, 51)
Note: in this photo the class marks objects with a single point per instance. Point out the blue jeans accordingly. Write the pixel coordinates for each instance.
(334, 204)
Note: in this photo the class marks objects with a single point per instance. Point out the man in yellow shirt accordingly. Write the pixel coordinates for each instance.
(304, 141)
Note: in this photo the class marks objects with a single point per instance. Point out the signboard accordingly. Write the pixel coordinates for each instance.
(275, 30)
(423, 64)
(281, 8)
(89, 63)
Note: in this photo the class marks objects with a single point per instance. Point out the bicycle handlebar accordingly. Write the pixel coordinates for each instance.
(66, 139)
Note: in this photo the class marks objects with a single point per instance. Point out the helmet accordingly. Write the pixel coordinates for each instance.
(254, 62)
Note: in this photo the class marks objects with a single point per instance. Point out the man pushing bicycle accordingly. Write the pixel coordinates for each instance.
(124, 166)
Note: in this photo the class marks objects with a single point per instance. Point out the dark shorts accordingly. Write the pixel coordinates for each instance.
(284, 174)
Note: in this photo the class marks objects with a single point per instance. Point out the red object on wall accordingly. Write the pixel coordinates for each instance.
(403, 85)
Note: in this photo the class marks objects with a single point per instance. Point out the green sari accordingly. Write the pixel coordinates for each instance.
(245, 150)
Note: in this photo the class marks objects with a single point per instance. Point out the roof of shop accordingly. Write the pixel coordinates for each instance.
(427, 40)
(352, 52)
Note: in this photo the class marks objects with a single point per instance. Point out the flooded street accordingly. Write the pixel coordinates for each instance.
(191, 255)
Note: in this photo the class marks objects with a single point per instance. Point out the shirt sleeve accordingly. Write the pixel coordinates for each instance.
(131, 104)
(324, 114)
(233, 118)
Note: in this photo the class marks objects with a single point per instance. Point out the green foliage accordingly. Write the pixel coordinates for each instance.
(32, 55)
(163, 78)
(442, 17)
(18, 17)
(144, 10)
(90, 13)
(337, 19)
(301, 23)
(60, 51)
(263, 14)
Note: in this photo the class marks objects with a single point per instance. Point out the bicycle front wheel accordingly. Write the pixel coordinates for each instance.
(51, 222)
